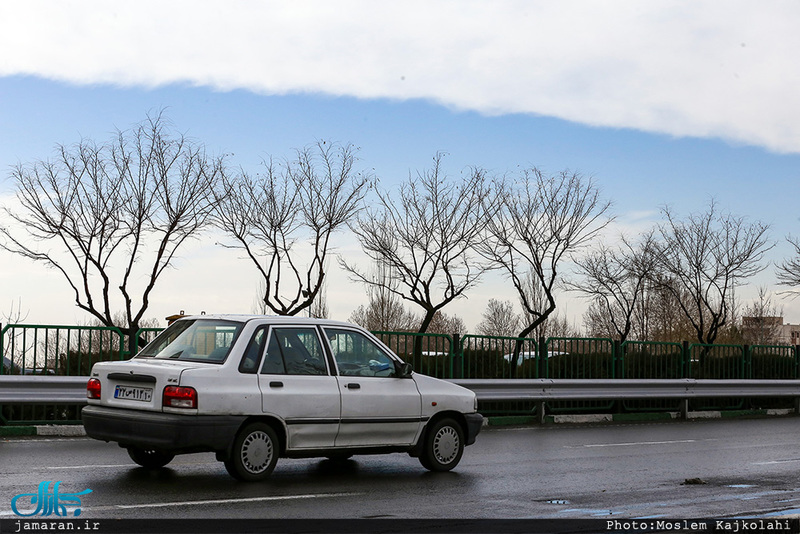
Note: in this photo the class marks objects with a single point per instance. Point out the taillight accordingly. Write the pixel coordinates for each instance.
(179, 397)
(93, 388)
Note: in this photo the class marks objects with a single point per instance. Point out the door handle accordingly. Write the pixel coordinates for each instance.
(353, 386)
(276, 384)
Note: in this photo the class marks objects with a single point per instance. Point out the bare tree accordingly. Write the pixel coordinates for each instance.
(616, 280)
(384, 315)
(447, 324)
(789, 270)
(544, 220)
(425, 236)
(701, 260)
(554, 325)
(14, 315)
(656, 316)
(557, 326)
(659, 315)
(319, 308)
(112, 216)
(308, 199)
(384, 311)
(499, 319)
(9, 337)
(762, 320)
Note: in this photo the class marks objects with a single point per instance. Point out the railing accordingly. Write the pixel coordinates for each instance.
(71, 350)
(546, 391)
(59, 350)
(72, 390)
(430, 354)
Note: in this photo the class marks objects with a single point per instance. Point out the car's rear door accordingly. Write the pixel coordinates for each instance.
(296, 385)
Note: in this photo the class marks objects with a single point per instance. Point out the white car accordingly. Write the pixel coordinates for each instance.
(256, 388)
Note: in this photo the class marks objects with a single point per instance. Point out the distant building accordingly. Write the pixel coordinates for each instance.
(755, 323)
(769, 330)
(789, 334)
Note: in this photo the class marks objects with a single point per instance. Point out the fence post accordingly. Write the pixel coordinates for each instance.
(747, 362)
(457, 357)
(617, 356)
(542, 350)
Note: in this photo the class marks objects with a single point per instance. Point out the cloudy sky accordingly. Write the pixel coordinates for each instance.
(662, 102)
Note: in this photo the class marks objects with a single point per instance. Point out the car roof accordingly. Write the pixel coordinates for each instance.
(272, 319)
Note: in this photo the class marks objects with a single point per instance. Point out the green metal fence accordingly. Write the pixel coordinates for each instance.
(60, 350)
(718, 362)
(430, 354)
(774, 362)
(54, 350)
(580, 358)
(499, 357)
(648, 359)
(72, 350)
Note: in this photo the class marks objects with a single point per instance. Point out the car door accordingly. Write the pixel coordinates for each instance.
(296, 386)
(378, 408)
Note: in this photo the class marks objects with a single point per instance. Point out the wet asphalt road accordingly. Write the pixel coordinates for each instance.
(738, 468)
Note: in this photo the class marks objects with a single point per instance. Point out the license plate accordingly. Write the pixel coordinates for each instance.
(133, 393)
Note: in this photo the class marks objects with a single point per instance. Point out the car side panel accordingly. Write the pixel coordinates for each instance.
(221, 392)
(309, 406)
(378, 411)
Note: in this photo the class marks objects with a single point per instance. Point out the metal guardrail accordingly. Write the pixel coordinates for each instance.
(544, 389)
(43, 389)
(72, 389)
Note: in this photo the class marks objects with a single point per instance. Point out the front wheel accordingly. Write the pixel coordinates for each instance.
(150, 458)
(255, 453)
(443, 447)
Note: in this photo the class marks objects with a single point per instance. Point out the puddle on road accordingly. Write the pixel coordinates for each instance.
(740, 486)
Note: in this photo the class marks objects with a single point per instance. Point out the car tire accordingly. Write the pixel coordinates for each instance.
(150, 458)
(255, 453)
(443, 446)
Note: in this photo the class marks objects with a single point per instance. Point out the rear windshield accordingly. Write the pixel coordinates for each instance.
(206, 340)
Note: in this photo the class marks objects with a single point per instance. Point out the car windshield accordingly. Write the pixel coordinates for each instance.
(207, 340)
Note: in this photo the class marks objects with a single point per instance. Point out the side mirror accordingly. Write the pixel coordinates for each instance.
(404, 370)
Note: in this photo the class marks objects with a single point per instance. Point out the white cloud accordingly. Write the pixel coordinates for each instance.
(699, 68)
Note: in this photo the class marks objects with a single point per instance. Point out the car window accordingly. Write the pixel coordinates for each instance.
(294, 351)
(252, 354)
(357, 355)
(207, 340)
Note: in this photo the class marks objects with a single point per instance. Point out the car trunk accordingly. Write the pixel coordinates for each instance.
(138, 384)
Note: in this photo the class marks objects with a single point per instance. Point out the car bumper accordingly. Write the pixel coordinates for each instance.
(474, 425)
(162, 431)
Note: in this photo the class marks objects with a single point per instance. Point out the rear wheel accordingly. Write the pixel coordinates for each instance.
(255, 453)
(443, 447)
(150, 458)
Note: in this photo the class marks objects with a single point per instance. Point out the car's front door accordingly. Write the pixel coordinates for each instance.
(297, 387)
(378, 408)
